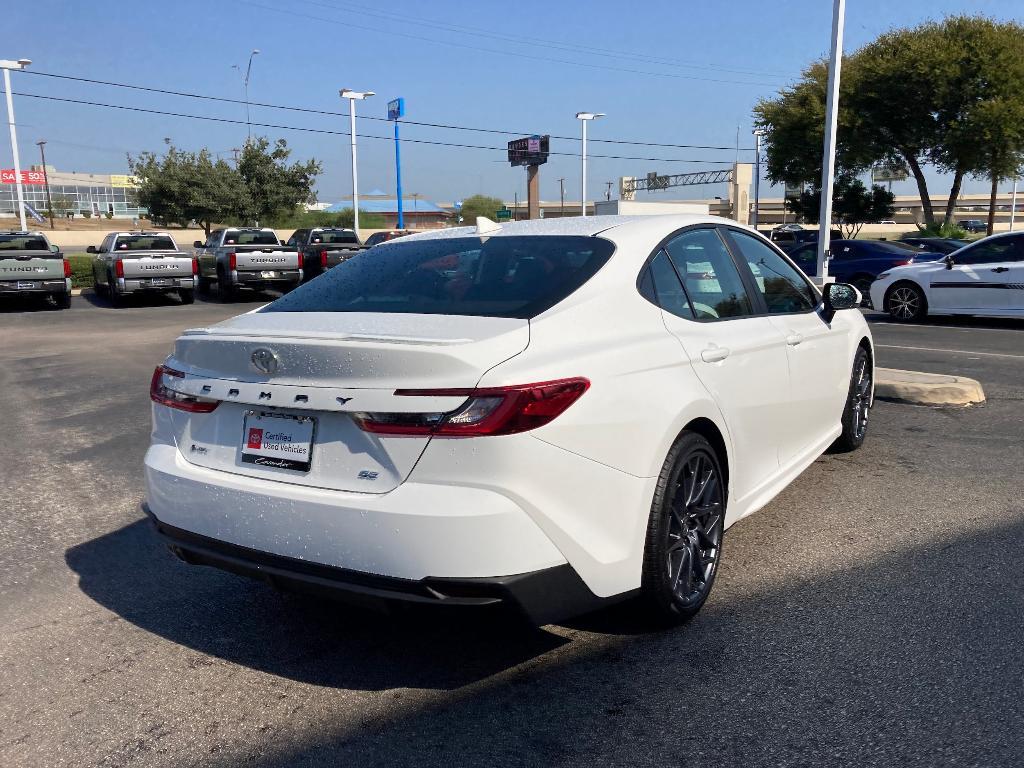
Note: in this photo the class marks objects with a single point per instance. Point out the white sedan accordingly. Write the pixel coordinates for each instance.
(553, 414)
(985, 278)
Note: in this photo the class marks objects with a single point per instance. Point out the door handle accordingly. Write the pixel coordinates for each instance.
(1000, 269)
(794, 338)
(714, 354)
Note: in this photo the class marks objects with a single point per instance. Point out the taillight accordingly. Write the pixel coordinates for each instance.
(489, 411)
(119, 268)
(323, 259)
(232, 262)
(160, 393)
(67, 268)
(195, 266)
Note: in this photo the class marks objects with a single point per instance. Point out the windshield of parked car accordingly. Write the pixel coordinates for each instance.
(334, 236)
(513, 276)
(249, 237)
(144, 243)
(22, 243)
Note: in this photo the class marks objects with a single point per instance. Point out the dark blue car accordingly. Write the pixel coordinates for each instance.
(859, 262)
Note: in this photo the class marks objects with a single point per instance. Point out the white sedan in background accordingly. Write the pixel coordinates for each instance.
(554, 414)
(985, 278)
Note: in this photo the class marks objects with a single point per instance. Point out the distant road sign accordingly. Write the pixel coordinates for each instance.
(532, 150)
(888, 173)
(793, 190)
(458, 205)
(504, 214)
(396, 108)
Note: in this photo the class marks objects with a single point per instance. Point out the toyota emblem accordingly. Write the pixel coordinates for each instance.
(264, 360)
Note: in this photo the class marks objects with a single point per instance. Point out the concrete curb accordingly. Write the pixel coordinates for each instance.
(926, 388)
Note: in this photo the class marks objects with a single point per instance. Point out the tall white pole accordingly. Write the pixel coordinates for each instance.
(828, 165)
(14, 148)
(583, 174)
(1013, 203)
(355, 173)
(757, 176)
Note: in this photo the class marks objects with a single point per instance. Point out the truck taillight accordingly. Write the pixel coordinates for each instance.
(160, 393)
(119, 268)
(67, 268)
(232, 262)
(323, 259)
(195, 266)
(490, 411)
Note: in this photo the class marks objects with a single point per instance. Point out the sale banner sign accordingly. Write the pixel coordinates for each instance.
(27, 177)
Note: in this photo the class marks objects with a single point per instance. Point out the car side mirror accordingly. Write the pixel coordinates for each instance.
(950, 261)
(91, 249)
(839, 296)
(197, 243)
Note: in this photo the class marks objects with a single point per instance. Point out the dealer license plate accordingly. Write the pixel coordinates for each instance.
(268, 274)
(158, 281)
(277, 440)
(24, 286)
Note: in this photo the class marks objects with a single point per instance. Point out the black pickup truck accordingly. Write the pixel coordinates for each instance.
(321, 248)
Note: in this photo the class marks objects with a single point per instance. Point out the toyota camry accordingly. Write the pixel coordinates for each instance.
(551, 414)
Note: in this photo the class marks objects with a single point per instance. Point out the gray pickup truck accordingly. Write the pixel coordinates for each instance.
(142, 262)
(29, 265)
(321, 248)
(246, 257)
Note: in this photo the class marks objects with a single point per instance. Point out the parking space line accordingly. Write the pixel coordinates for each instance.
(950, 351)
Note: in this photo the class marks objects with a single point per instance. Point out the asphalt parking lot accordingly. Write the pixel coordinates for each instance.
(870, 615)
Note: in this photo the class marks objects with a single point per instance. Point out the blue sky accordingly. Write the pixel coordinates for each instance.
(678, 72)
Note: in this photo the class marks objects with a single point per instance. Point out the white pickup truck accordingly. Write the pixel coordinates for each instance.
(247, 257)
(142, 262)
(29, 265)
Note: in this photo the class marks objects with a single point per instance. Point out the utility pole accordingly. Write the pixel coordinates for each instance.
(758, 133)
(828, 165)
(561, 197)
(1013, 203)
(608, 190)
(46, 179)
(515, 207)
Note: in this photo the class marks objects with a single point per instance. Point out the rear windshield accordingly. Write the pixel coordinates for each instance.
(23, 243)
(249, 237)
(144, 243)
(499, 277)
(334, 236)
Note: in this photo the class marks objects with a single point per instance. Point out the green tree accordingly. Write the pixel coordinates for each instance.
(274, 187)
(853, 204)
(480, 205)
(910, 98)
(62, 204)
(181, 187)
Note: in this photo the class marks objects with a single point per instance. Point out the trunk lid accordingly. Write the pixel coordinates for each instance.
(258, 258)
(30, 265)
(156, 264)
(327, 366)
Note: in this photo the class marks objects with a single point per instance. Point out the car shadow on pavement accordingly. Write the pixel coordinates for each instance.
(320, 642)
(10, 305)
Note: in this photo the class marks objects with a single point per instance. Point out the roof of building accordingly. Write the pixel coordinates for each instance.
(390, 205)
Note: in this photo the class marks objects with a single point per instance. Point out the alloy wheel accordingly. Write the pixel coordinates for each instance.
(905, 303)
(694, 530)
(860, 400)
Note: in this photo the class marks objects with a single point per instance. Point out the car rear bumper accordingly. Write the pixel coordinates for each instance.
(257, 280)
(543, 596)
(133, 285)
(58, 285)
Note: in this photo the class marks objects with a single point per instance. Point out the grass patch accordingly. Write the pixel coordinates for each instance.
(81, 269)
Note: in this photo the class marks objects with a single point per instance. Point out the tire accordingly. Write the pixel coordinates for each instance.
(906, 303)
(99, 288)
(858, 405)
(673, 586)
(202, 284)
(62, 300)
(187, 296)
(115, 297)
(226, 293)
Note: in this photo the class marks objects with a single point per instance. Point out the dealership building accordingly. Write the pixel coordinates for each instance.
(73, 194)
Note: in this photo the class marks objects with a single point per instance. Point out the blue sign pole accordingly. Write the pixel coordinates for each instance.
(398, 177)
(396, 109)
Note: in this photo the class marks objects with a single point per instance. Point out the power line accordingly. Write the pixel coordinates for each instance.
(309, 110)
(532, 41)
(394, 33)
(340, 133)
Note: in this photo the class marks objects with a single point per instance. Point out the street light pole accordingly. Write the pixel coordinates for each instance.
(585, 117)
(353, 97)
(758, 133)
(248, 71)
(7, 66)
(46, 179)
(561, 197)
(1013, 203)
(828, 165)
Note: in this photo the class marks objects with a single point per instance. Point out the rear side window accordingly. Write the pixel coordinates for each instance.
(712, 281)
(514, 276)
(249, 237)
(22, 243)
(667, 288)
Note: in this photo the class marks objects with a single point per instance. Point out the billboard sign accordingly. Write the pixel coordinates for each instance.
(396, 108)
(793, 190)
(532, 150)
(27, 177)
(120, 180)
(888, 173)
